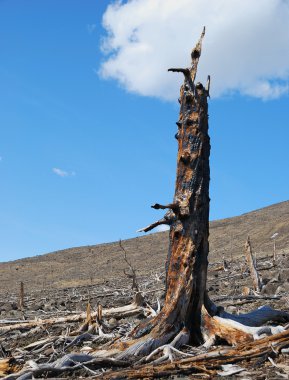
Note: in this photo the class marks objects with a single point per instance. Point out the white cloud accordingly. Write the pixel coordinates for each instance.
(246, 48)
(161, 228)
(63, 173)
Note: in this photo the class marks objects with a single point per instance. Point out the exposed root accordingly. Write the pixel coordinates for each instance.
(170, 351)
(144, 346)
(208, 362)
(167, 354)
(151, 344)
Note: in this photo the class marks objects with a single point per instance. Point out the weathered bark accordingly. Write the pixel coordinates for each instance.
(188, 217)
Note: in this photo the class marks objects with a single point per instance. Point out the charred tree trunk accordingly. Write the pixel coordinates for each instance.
(188, 216)
(189, 247)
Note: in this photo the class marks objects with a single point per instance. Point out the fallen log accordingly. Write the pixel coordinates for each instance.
(257, 317)
(242, 297)
(115, 312)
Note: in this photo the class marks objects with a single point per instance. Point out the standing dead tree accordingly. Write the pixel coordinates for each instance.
(21, 297)
(188, 217)
(132, 273)
(257, 281)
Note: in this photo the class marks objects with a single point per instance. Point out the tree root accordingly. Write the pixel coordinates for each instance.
(143, 346)
(230, 330)
(154, 339)
(208, 362)
(168, 354)
(169, 350)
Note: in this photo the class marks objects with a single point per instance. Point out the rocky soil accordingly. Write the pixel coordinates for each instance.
(61, 284)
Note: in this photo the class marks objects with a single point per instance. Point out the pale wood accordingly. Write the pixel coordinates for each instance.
(205, 363)
(114, 312)
(257, 281)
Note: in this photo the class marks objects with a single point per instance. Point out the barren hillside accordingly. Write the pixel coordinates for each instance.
(98, 263)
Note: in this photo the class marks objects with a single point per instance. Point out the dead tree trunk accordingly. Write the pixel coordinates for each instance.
(188, 217)
(257, 282)
(189, 247)
(21, 297)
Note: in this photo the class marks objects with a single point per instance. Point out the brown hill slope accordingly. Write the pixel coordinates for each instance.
(94, 264)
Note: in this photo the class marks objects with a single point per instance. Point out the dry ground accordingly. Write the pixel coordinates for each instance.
(61, 283)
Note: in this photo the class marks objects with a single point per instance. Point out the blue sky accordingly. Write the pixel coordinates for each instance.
(86, 149)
